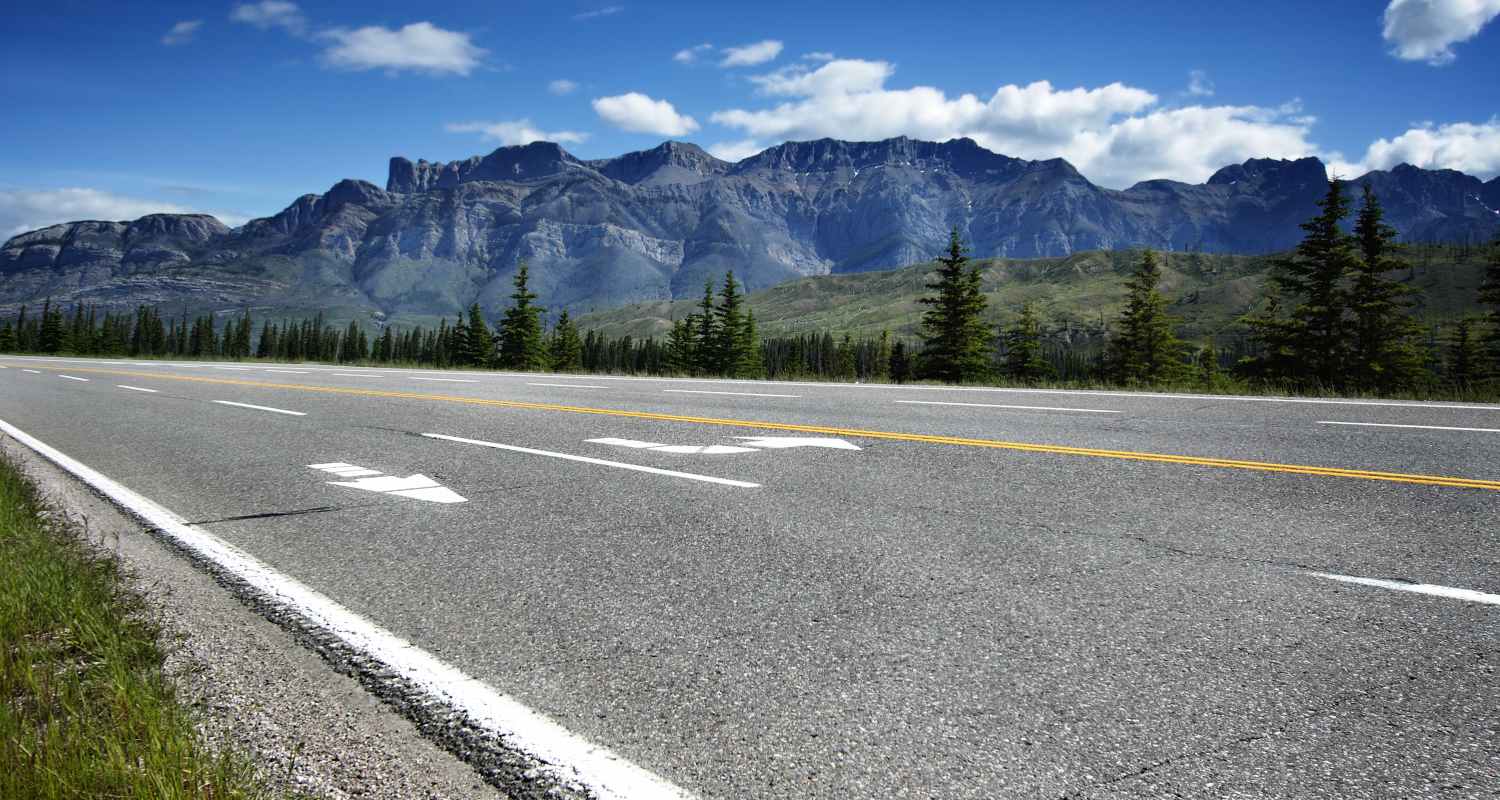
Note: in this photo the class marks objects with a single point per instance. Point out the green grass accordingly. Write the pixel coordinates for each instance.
(89, 711)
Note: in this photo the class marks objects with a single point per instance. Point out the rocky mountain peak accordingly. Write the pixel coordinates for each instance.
(525, 162)
(1273, 171)
(668, 162)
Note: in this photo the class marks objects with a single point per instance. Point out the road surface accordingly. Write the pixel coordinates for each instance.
(766, 590)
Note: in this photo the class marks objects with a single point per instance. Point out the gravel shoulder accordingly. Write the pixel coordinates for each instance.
(313, 731)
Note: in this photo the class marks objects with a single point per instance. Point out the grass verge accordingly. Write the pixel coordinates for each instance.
(88, 711)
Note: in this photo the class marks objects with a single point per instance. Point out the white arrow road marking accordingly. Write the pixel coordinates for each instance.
(601, 462)
(681, 449)
(416, 487)
(783, 442)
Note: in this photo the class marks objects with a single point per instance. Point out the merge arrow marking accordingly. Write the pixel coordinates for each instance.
(784, 442)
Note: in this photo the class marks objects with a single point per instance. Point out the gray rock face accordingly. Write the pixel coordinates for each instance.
(657, 223)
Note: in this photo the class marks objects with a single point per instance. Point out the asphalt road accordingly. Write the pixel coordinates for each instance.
(998, 594)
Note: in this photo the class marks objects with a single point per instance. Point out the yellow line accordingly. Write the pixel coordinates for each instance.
(1128, 455)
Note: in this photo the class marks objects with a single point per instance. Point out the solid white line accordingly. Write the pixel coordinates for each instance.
(601, 462)
(71, 378)
(446, 380)
(996, 405)
(563, 753)
(135, 388)
(736, 394)
(569, 385)
(1467, 595)
(1424, 427)
(261, 408)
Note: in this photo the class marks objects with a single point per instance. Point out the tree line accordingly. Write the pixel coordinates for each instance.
(1332, 317)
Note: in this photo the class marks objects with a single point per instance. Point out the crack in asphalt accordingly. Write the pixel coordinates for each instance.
(271, 514)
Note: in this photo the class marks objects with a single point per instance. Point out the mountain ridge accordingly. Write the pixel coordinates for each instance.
(655, 224)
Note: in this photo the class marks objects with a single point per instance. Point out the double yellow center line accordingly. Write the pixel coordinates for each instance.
(1127, 455)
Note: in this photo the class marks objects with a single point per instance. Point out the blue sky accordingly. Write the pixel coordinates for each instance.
(238, 108)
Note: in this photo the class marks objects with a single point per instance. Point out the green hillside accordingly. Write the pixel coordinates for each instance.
(1077, 295)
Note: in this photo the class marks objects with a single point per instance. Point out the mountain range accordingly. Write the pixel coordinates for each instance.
(656, 224)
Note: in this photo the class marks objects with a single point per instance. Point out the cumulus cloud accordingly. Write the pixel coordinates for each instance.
(562, 86)
(688, 55)
(1199, 85)
(514, 132)
(751, 54)
(606, 11)
(24, 210)
(182, 32)
(818, 55)
(638, 113)
(1426, 30)
(419, 47)
(268, 14)
(735, 151)
(1115, 134)
(1465, 146)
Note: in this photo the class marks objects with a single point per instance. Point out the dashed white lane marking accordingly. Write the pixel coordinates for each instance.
(599, 461)
(135, 388)
(563, 754)
(569, 385)
(1467, 595)
(261, 408)
(33, 371)
(237, 369)
(998, 405)
(736, 394)
(71, 378)
(1423, 427)
(446, 380)
(357, 374)
(290, 371)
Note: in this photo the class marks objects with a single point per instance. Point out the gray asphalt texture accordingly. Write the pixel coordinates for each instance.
(908, 620)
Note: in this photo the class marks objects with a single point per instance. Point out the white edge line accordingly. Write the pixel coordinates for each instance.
(1423, 427)
(601, 462)
(998, 405)
(605, 773)
(1468, 595)
(261, 408)
(135, 388)
(736, 394)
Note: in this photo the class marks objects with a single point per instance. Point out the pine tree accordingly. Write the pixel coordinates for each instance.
(1465, 357)
(1023, 348)
(749, 358)
(7, 338)
(477, 343)
(1489, 295)
(705, 354)
(1145, 350)
(566, 348)
(51, 338)
(1384, 354)
(1311, 343)
(521, 346)
(681, 344)
(1209, 376)
(735, 351)
(900, 363)
(955, 341)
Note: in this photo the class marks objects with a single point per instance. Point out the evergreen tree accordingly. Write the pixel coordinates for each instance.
(1489, 295)
(1209, 376)
(521, 346)
(681, 345)
(1310, 343)
(900, 363)
(476, 343)
(51, 339)
(1145, 350)
(1384, 354)
(7, 338)
(882, 366)
(705, 354)
(1465, 358)
(566, 348)
(749, 358)
(955, 340)
(1023, 348)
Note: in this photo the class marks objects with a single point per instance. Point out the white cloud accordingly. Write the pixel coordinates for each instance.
(735, 151)
(638, 113)
(818, 55)
(1464, 146)
(599, 12)
(420, 47)
(1115, 134)
(182, 32)
(751, 54)
(514, 132)
(268, 14)
(24, 210)
(562, 86)
(1426, 30)
(688, 55)
(1199, 84)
